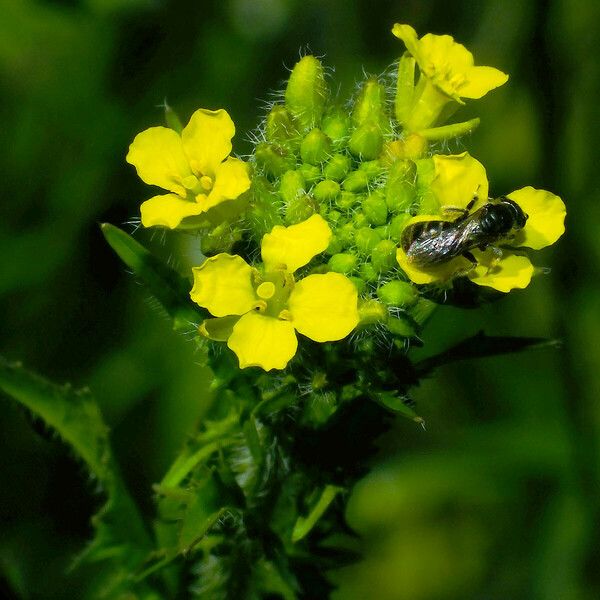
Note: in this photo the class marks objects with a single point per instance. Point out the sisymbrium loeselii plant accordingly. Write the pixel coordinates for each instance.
(325, 253)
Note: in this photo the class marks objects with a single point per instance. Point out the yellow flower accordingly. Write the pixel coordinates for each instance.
(449, 65)
(194, 166)
(458, 179)
(259, 313)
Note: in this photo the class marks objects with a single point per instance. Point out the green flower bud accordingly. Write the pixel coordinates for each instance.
(345, 234)
(428, 203)
(343, 263)
(335, 245)
(366, 239)
(291, 185)
(334, 216)
(400, 191)
(366, 142)
(383, 256)
(383, 231)
(422, 310)
(275, 160)
(299, 209)
(337, 167)
(372, 168)
(335, 125)
(280, 127)
(371, 311)
(361, 286)
(264, 214)
(347, 200)
(359, 219)
(306, 92)
(357, 181)
(371, 105)
(375, 208)
(315, 147)
(397, 225)
(326, 190)
(368, 273)
(401, 327)
(398, 293)
(311, 173)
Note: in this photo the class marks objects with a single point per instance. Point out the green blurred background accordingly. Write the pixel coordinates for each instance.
(499, 498)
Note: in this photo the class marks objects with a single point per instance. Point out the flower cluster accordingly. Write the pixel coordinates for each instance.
(329, 193)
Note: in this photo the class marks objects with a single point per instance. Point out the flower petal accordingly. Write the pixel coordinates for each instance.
(409, 36)
(324, 307)
(157, 154)
(481, 80)
(294, 246)
(509, 272)
(458, 178)
(168, 210)
(231, 180)
(262, 341)
(546, 222)
(431, 274)
(207, 140)
(223, 285)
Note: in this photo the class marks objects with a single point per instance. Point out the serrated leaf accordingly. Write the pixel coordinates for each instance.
(479, 346)
(165, 284)
(120, 536)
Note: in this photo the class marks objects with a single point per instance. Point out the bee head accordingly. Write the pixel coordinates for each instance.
(502, 216)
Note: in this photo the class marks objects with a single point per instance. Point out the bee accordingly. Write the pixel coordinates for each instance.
(429, 243)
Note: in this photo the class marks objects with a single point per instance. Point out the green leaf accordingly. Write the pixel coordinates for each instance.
(304, 525)
(398, 404)
(479, 346)
(120, 541)
(165, 284)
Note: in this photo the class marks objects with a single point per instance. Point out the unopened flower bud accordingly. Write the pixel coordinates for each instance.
(307, 92)
(299, 209)
(375, 208)
(367, 272)
(326, 190)
(291, 185)
(275, 160)
(335, 125)
(401, 327)
(337, 167)
(357, 181)
(398, 293)
(397, 225)
(366, 141)
(280, 127)
(371, 105)
(400, 192)
(371, 311)
(311, 173)
(343, 263)
(366, 239)
(383, 256)
(315, 147)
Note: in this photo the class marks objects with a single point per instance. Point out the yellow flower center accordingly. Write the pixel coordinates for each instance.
(206, 182)
(266, 290)
(189, 182)
(274, 291)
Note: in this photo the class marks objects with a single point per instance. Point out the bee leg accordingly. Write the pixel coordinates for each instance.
(472, 260)
(463, 211)
(497, 257)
